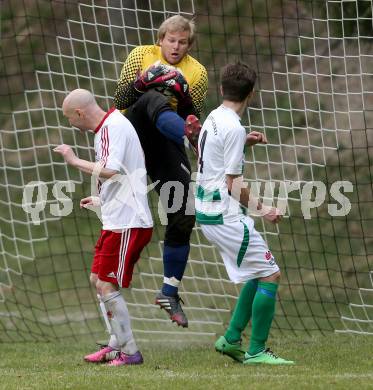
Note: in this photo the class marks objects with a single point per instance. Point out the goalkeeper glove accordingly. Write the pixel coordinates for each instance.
(179, 87)
(155, 76)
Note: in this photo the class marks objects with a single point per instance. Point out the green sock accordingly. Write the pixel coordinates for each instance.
(263, 313)
(242, 312)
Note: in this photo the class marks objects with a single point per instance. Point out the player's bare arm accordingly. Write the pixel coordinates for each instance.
(238, 190)
(83, 165)
(255, 137)
(90, 201)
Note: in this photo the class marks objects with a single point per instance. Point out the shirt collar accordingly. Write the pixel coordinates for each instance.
(104, 118)
(234, 113)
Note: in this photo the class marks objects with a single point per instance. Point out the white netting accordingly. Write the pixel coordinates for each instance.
(360, 319)
(324, 90)
(318, 93)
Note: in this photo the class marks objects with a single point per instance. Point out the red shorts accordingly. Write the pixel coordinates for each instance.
(117, 253)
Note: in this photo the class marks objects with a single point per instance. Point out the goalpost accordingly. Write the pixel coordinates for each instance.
(314, 102)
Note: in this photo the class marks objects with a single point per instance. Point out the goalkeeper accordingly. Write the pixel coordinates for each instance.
(160, 87)
(126, 217)
(220, 195)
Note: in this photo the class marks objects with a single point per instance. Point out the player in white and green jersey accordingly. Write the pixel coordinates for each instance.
(221, 199)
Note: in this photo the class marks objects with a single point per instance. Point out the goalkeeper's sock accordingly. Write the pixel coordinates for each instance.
(171, 125)
(262, 316)
(120, 322)
(242, 312)
(174, 262)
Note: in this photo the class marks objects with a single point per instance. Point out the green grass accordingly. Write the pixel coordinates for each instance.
(336, 362)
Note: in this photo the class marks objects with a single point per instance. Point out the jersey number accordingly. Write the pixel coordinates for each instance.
(203, 141)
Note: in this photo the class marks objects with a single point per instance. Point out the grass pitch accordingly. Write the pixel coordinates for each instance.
(323, 362)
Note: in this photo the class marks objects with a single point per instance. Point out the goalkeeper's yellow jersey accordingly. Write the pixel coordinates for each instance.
(142, 57)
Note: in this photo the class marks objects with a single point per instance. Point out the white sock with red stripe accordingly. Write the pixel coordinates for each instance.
(120, 322)
(113, 342)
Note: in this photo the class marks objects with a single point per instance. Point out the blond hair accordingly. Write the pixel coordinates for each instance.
(177, 23)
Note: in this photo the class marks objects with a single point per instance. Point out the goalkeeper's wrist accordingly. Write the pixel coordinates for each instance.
(139, 91)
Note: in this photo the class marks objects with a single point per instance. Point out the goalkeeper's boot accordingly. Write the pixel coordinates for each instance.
(234, 351)
(122, 359)
(173, 308)
(265, 357)
(105, 354)
(192, 129)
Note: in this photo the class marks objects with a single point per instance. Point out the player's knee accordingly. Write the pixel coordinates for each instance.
(105, 288)
(179, 229)
(152, 103)
(93, 279)
(274, 278)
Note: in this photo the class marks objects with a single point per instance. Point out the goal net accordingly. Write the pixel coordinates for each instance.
(313, 100)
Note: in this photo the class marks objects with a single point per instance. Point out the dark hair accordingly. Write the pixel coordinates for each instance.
(237, 81)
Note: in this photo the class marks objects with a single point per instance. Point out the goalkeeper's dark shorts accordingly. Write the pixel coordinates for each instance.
(167, 163)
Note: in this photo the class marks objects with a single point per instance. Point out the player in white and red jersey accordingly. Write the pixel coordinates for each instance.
(126, 218)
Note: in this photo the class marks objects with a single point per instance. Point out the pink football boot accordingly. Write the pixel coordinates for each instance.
(124, 359)
(105, 354)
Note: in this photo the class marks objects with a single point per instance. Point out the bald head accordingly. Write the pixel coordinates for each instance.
(78, 99)
(81, 109)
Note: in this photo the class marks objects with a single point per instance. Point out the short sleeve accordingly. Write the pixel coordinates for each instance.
(125, 94)
(198, 89)
(114, 147)
(234, 144)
